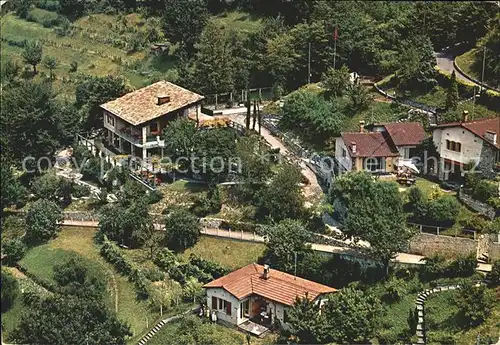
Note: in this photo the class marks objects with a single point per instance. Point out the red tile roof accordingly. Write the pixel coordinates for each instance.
(280, 287)
(369, 144)
(478, 127)
(406, 133)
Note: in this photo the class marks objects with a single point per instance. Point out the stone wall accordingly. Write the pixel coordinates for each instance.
(447, 246)
(476, 205)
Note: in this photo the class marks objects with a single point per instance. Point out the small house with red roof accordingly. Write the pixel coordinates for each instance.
(467, 143)
(379, 147)
(255, 296)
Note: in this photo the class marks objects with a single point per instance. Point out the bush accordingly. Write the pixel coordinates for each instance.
(15, 251)
(154, 274)
(73, 67)
(207, 266)
(443, 210)
(484, 190)
(46, 18)
(49, 5)
(80, 191)
(207, 204)
(435, 267)
(463, 266)
(9, 291)
(154, 196)
(166, 260)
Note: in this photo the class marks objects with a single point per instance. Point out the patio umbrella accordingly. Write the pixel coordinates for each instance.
(411, 166)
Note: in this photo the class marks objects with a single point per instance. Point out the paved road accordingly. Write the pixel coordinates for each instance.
(445, 62)
(405, 258)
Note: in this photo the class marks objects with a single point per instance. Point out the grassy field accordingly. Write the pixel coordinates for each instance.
(97, 44)
(79, 241)
(228, 253)
(466, 62)
(239, 21)
(441, 316)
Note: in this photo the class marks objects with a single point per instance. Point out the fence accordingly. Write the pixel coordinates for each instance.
(407, 102)
(445, 231)
(241, 96)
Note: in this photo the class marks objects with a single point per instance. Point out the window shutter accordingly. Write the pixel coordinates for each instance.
(214, 302)
(228, 308)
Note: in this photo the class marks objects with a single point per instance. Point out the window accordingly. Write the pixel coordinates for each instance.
(453, 146)
(110, 119)
(221, 305)
(153, 128)
(373, 164)
(344, 153)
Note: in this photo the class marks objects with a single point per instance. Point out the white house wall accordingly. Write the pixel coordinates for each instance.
(339, 147)
(235, 305)
(471, 144)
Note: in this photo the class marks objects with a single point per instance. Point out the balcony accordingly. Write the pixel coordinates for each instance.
(130, 134)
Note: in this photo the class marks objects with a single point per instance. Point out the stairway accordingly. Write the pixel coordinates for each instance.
(483, 258)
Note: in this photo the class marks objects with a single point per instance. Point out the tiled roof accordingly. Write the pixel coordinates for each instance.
(478, 127)
(369, 144)
(142, 105)
(405, 133)
(280, 287)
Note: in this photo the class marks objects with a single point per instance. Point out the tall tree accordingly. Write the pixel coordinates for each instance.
(72, 8)
(93, 92)
(373, 212)
(32, 54)
(353, 316)
(43, 221)
(282, 198)
(452, 93)
(182, 230)
(48, 322)
(286, 240)
(12, 191)
(307, 322)
(180, 139)
(183, 22)
(336, 81)
(476, 302)
(214, 63)
(50, 62)
(10, 290)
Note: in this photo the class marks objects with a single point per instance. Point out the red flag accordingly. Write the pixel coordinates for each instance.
(335, 34)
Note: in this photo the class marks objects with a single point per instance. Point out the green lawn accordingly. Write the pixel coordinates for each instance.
(97, 44)
(228, 253)
(79, 241)
(442, 316)
(178, 193)
(239, 21)
(466, 63)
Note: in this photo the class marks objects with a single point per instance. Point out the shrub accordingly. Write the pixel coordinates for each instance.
(80, 191)
(207, 266)
(166, 260)
(493, 226)
(9, 291)
(443, 210)
(154, 196)
(485, 190)
(494, 275)
(463, 266)
(73, 67)
(154, 274)
(15, 250)
(207, 204)
(435, 267)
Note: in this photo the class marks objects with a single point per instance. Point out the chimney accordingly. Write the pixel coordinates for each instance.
(491, 137)
(465, 116)
(353, 146)
(266, 272)
(162, 99)
(361, 126)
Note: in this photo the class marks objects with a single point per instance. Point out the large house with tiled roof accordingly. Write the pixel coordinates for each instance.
(257, 294)
(134, 122)
(379, 147)
(467, 142)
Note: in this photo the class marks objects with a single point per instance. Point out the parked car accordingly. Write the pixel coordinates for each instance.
(450, 185)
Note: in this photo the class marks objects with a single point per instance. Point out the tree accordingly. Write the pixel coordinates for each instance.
(14, 250)
(72, 8)
(33, 118)
(23, 7)
(416, 64)
(180, 139)
(214, 63)
(353, 316)
(307, 322)
(443, 210)
(48, 322)
(50, 62)
(285, 240)
(183, 22)
(283, 197)
(74, 277)
(336, 81)
(93, 92)
(182, 230)
(52, 187)
(213, 155)
(494, 275)
(11, 70)
(359, 97)
(311, 116)
(32, 54)
(193, 289)
(452, 93)
(43, 221)
(11, 190)
(374, 213)
(476, 302)
(9, 291)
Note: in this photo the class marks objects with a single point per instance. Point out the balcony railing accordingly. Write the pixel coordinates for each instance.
(131, 135)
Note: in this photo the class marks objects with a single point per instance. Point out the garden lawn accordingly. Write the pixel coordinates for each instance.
(12, 317)
(239, 21)
(395, 319)
(231, 254)
(466, 63)
(80, 241)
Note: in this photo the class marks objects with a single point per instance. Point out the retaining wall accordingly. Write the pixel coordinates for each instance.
(447, 246)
